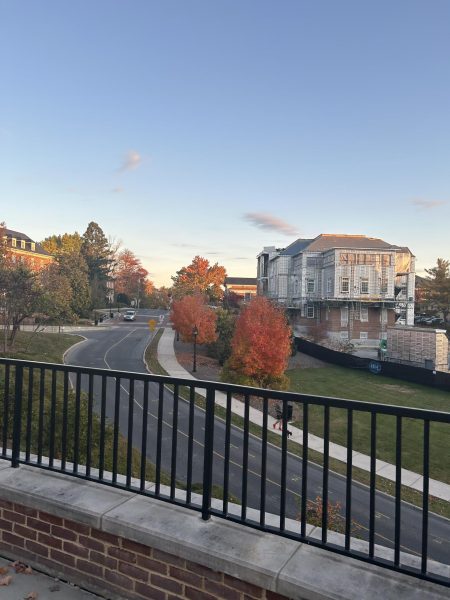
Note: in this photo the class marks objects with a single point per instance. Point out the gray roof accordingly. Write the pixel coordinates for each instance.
(328, 241)
(240, 280)
(295, 247)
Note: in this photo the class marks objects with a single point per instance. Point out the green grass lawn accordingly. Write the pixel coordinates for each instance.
(43, 347)
(361, 385)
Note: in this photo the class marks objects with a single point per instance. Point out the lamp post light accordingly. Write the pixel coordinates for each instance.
(195, 334)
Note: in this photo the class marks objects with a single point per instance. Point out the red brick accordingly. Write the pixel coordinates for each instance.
(133, 571)
(31, 512)
(6, 504)
(50, 518)
(204, 571)
(243, 586)
(5, 525)
(169, 559)
(49, 540)
(197, 594)
(101, 559)
(105, 537)
(38, 525)
(166, 584)
(136, 547)
(124, 555)
(78, 527)
(92, 544)
(63, 533)
(148, 592)
(9, 515)
(76, 550)
(221, 591)
(118, 579)
(275, 596)
(91, 568)
(25, 532)
(152, 565)
(172, 597)
(36, 548)
(15, 540)
(62, 558)
(186, 576)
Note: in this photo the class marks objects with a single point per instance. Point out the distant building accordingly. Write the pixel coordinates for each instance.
(244, 287)
(346, 286)
(23, 249)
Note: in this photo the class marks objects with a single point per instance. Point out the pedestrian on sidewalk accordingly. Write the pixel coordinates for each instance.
(279, 424)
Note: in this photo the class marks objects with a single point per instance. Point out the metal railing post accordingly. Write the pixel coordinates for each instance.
(208, 457)
(17, 421)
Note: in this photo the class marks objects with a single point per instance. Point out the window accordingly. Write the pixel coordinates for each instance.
(310, 285)
(364, 313)
(364, 286)
(22, 244)
(345, 285)
(33, 246)
(310, 312)
(247, 296)
(13, 242)
(343, 335)
(363, 335)
(383, 285)
(329, 285)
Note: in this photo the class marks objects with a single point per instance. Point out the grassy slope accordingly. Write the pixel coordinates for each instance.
(44, 347)
(360, 385)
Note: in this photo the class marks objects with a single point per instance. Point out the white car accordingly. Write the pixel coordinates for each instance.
(129, 315)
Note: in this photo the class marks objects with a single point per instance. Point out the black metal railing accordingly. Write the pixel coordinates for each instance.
(179, 441)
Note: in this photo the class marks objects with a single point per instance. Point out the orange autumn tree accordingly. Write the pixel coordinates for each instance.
(199, 278)
(261, 345)
(190, 312)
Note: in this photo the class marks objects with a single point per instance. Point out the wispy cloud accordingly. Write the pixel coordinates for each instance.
(131, 161)
(427, 204)
(118, 190)
(266, 221)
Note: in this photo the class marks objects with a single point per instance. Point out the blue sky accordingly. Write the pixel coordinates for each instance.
(170, 122)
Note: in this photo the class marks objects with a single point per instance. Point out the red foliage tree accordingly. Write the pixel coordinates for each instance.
(130, 275)
(190, 312)
(261, 344)
(199, 278)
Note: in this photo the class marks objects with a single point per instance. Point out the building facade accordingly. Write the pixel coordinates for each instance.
(350, 287)
(243, 287)
(21, 248)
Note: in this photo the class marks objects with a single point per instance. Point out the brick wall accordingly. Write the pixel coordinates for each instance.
(111, 565)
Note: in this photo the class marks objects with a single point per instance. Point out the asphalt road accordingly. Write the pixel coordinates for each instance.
(122, 347)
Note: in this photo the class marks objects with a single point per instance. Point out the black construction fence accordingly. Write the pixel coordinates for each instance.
(436, 379)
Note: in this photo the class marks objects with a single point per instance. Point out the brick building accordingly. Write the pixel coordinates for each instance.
(244, 287)
(350, 287)
(21, 248)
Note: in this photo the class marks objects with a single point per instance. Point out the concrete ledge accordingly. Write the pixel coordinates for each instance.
(295, 570)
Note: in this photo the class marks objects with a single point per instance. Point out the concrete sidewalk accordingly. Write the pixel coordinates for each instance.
(22, 586)
(168, 361)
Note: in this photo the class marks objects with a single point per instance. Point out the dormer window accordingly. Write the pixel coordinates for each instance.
(33, 246)
(13, 242)
(22, 244)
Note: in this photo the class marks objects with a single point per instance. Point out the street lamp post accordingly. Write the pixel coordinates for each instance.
(195, 334)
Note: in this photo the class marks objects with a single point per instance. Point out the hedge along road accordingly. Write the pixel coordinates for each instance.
(122, 347)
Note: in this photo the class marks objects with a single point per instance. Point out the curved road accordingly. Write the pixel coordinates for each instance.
(122, 346)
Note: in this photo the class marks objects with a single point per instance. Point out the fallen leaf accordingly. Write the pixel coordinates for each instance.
(31, 596)
(28, 571)
(20, 567)
(6, 580)
(4, 570)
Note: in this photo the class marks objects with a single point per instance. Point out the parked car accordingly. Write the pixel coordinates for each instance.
(400, 321)
(129, 315)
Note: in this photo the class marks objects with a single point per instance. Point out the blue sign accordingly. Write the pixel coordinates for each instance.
(375, 367)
